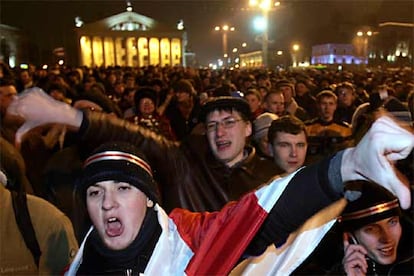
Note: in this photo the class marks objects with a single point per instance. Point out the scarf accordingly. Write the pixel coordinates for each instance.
(100, 260)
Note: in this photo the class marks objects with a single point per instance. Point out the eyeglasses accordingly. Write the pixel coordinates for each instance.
(226, 123)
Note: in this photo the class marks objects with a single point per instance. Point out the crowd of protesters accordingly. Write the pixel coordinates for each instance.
(289, 119)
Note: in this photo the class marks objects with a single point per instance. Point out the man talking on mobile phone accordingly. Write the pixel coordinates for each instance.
(378, 237)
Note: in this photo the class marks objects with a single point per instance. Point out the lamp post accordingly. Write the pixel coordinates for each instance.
(265, 6)
(224, 30)
(362, 44)
(295, 48)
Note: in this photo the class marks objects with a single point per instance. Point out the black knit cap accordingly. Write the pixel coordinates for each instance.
(375, 203)
(227, 103)
(119, 161)
(145, 92)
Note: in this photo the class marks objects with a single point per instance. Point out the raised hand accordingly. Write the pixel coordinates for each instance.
(374, 157)
(37, 108)
(354, 261)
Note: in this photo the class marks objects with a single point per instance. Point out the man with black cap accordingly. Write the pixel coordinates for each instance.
(202, 173)
(374, 240)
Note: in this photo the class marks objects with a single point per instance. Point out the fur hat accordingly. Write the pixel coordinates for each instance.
(118, 161)
(226, 103)
(375, 203)
(262, 123)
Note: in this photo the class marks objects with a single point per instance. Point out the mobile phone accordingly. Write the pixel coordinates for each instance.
(352, 239)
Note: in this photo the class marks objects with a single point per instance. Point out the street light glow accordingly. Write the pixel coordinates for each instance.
(360, 33)
(369, 33)
(295, 47)
(260, 23)
(265, 5)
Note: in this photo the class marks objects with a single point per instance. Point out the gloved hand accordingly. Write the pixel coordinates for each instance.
(37, 108)
(374, 157)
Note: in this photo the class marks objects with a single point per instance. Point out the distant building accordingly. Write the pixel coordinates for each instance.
(393, 45)
(129, 39)
(251, 60)
(12, 43)
(332, 53)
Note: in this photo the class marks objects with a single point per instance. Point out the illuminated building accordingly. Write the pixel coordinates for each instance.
(129, 39)
(332, 53)
(394, 45)
(12, 43)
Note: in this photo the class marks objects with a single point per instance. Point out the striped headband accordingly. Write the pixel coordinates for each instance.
(377, 209)
(118, 155)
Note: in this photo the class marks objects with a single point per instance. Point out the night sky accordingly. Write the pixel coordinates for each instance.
(50, 23)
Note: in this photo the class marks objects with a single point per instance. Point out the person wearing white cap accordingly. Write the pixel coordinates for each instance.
(261, 127)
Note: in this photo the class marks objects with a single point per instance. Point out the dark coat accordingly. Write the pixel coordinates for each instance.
(188, 174)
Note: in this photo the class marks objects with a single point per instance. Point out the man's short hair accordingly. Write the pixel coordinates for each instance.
(184, 85)
(344, 85)
(287, 123)
(253, 91)
(325, 94)
(226, 103)
(375, 203)
(272, 91)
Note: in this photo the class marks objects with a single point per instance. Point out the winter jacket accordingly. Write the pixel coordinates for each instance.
(53, 231)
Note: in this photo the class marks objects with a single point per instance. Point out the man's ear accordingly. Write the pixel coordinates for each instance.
(249, 129)
(270, 149)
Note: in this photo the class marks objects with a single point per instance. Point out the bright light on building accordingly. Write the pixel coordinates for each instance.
(61, 62)
(180, 25)
(129, 6)
(78, 22)
(359, 33)
(44, 66)
(279, 53)
(244, 45)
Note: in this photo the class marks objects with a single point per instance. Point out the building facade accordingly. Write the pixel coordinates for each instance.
(392, 45)
(332, 53)
(129, 39)
(12, 45)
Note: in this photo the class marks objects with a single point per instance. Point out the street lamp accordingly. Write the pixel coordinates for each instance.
(224, 30)
(295, 48)
(265, 6)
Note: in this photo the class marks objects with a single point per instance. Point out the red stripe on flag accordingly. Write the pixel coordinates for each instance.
(219, 239)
